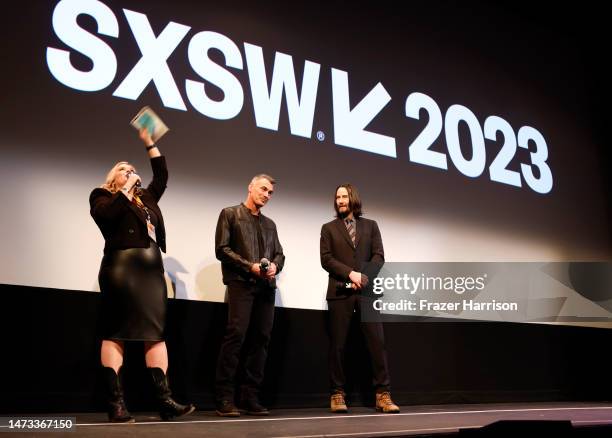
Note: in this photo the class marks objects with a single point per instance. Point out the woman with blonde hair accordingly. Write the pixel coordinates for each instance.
(132, 284)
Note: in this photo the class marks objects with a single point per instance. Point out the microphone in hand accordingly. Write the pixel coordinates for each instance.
(137, 184)
(264, 265)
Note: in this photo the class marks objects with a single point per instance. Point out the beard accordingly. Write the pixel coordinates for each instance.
(343, 214)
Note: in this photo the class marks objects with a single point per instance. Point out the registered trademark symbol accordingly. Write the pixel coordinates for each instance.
(320, 135)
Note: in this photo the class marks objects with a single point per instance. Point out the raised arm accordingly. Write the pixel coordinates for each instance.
(157, 186)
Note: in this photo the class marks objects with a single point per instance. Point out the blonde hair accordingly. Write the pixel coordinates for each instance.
(109, 183)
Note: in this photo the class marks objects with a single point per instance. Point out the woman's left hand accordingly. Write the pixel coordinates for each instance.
(146, 137)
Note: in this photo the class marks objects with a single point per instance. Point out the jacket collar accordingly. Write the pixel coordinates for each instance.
(246, 210)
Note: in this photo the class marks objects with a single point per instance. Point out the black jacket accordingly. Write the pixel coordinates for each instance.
(121, 223)
(236, 243)
(339, 257)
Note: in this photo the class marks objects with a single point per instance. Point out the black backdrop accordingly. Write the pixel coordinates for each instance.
(51, 358)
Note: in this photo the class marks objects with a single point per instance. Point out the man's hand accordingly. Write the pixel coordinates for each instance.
(269, 274)
(358, 280)
(355, 278)
(256, 269)
(271, 271)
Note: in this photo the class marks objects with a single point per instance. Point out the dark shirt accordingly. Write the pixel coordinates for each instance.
(260, 243)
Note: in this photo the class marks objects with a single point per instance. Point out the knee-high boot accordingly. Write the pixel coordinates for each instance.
(117, 411)
(168, 408)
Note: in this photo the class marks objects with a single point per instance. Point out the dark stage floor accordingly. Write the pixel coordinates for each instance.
(441, 420)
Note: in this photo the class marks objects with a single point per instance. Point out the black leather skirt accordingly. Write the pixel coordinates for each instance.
(134, 295)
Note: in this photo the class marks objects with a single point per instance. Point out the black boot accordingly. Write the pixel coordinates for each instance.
(117, 412)
(168, 408)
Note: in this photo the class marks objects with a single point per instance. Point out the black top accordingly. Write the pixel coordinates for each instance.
(260, 244)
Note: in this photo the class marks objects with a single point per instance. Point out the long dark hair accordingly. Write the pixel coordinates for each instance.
(354, 200)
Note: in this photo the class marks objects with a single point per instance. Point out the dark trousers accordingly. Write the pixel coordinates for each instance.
(341, 312)
(250, 309)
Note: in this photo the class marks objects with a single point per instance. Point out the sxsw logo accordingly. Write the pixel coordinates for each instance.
(507, 167)
(349, 124)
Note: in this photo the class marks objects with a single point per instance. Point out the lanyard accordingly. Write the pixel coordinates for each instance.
(138, 202)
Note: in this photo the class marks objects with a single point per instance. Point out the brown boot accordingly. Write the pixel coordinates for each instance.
(385, 404)
(338, 405)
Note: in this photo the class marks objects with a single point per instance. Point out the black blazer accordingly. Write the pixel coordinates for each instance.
(121, 222)
(339, 257)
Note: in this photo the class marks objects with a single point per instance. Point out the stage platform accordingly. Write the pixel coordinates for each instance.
(587, 419)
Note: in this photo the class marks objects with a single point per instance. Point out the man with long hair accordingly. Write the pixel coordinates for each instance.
(351, 246)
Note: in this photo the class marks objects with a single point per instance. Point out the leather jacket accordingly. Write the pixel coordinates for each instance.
(236, 245)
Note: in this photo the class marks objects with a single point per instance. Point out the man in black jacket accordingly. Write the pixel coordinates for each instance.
(352, 251)
(246, 243)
